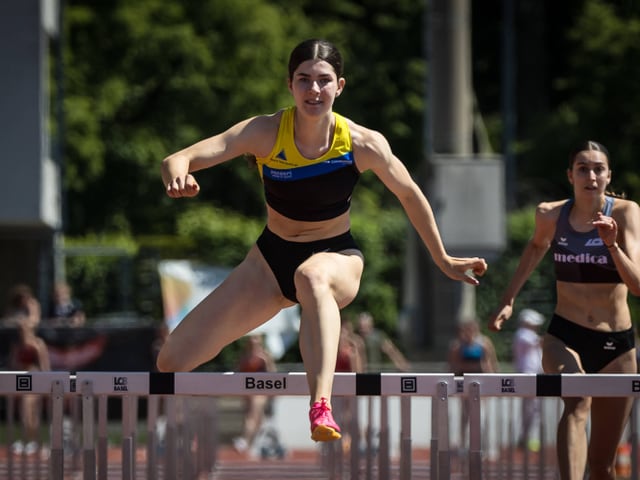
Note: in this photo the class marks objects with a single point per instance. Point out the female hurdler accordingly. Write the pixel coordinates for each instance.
(309, 159)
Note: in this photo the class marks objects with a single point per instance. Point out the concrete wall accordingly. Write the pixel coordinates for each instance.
(30, 193)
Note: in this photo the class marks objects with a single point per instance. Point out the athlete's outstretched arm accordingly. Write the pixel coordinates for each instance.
(373, 152)
(534, 251)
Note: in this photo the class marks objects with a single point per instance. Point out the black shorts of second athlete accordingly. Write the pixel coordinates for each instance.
(596, 349)
(284, 256)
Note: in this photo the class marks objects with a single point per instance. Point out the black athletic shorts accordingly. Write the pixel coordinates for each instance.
(596, 349)
(284, 256)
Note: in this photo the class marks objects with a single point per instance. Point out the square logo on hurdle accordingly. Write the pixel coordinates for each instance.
(120, 384)
(23, 383)
(408, 385)
(508, 385)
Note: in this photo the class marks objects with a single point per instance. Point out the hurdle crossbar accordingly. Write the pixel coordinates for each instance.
(476, 386)
(438, 386)
(263, 383)
(129, 385)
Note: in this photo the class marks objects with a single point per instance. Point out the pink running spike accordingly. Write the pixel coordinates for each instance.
(323, 427)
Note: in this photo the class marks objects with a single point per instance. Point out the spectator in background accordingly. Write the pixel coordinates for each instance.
(378, 343)
(18, 304)
(527, 358)
(27, 353)
(254, 358)
(351, 358)
(64, 309)
(470, 352)
(351, 350)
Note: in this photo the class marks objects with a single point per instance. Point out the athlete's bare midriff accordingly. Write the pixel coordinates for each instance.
(300, 231)
(600, 307)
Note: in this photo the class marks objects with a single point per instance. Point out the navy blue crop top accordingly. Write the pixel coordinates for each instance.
(582, 257)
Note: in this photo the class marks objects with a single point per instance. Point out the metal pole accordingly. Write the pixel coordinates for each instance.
(59, 156)
(152, 440)
(213, 429)
(187, 438)
(353, 404)
(332, 464)
(475, 432)
(435, 429)
(11, 402)
(508, 98)
(442, 427)
(633, 425)
(543, 432)
(103, 442)
(127, 438)
(369, 442)
(88, 417)
(171, 466)
(405, 438)
(384, 466)
(511, 439)
(450, 101)
(56, 461)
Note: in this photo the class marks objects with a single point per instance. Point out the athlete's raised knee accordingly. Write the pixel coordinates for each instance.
(310, 281)
(164, 362)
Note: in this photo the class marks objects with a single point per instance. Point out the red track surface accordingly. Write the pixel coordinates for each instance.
(300, 465)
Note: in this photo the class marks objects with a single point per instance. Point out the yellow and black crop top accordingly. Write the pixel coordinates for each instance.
(304, 189)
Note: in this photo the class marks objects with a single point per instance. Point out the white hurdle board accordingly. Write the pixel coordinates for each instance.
(232, 383)
(264, 383)
(295, 383)
(553, 385)
(21, 382)
(600, 385)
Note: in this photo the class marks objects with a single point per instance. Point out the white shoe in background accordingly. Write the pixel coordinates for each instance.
(31, 448)
(240, 444)
(17, 447)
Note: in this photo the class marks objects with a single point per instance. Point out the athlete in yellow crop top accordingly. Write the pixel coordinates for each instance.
(310, 159)
(309, 189)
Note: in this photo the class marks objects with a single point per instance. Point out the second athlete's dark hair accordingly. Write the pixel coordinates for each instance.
(591, 145)
(313, 49)
(586, 146)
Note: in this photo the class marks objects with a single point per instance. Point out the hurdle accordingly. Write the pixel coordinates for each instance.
(52, 384)
(95, 387)
(192, 417)
(477, 386)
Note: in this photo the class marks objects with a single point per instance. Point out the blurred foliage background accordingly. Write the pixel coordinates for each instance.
(143, 79)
